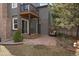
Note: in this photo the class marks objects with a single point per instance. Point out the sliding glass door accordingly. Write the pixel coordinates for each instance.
(34, 26)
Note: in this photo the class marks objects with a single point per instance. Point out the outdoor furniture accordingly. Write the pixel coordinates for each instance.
(53, 33)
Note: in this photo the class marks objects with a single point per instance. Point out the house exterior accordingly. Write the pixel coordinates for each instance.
(29, 18)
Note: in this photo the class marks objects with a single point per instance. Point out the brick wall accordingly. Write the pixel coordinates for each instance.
(4, 22)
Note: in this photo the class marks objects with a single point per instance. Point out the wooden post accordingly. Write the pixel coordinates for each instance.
(29, 25)
(38, 23)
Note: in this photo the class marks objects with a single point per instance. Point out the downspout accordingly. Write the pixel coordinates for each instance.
(49, 19)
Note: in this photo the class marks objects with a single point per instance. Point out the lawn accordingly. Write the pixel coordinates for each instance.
(38, 50)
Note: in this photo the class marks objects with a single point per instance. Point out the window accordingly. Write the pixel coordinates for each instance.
(14, 5)
(26, 7)
(15, 24)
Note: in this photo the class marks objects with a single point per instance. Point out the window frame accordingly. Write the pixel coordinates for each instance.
(25, 30)
(13, 23)
(14, 5)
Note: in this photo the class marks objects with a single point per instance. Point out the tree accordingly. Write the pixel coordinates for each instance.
(65, 15)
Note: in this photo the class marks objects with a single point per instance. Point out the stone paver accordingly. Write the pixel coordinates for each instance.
(4, 51)
(43, 40)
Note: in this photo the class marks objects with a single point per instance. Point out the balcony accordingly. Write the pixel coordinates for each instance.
(27, 9)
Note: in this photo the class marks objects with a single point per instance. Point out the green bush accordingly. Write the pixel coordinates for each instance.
(17, 37)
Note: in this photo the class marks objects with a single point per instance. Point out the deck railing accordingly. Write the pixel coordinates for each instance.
(27, 7)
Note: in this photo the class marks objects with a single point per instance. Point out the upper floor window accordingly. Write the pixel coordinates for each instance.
(15, 23)
(14, 5)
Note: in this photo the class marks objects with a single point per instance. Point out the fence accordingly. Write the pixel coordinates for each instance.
(72, 32)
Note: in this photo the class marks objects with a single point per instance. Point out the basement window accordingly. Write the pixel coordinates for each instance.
(14, 5)
(15, 23)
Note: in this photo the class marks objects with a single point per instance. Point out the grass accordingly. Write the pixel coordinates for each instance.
(38, 50)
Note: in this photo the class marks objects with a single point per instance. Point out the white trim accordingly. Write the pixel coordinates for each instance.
(28, 8)
(14, 24)
(27, 26)
(14, 5)
(36, 27)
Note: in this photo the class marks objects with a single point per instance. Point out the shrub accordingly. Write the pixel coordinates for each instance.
(17, 37)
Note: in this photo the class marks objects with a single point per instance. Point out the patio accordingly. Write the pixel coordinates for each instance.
(42, 46)
(42, 40)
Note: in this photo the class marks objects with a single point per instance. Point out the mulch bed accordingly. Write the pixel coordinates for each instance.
(70, 48)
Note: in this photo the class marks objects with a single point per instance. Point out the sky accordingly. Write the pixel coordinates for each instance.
(41, 4)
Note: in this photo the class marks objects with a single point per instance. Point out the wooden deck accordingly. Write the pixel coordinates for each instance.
(26, 15)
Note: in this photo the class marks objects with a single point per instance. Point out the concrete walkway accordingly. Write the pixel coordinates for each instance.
(4, 51)
(43, 40)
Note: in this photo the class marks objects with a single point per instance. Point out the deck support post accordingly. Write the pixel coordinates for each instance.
(29, 25)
